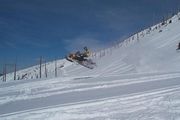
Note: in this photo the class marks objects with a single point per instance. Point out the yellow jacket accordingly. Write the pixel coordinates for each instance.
(87, 53)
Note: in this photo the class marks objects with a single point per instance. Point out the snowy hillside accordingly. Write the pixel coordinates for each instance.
(151, 50)
(136, 79)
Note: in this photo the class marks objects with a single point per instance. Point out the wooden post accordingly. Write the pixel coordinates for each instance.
(15, 71)
(45, 70)
(40, 67)
(55, 68)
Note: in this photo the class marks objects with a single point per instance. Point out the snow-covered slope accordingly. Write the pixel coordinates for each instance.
(136, 79)
(151, 50)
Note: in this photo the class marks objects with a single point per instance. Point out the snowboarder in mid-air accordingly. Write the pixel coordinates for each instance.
(82, 58)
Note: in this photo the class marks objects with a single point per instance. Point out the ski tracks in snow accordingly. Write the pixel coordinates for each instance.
(147, 105)
(69, 91)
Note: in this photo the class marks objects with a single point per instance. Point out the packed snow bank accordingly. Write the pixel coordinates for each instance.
(162, 103)
(50, 96)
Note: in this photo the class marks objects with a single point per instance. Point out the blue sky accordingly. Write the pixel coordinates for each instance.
(33, 28)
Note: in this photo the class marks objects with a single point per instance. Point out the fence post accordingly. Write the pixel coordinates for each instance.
(40, 65)
(5, 73)
(45, 70)
(15, 71)
(55, 68)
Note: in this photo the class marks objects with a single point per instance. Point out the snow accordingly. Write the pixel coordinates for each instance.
(138, 79)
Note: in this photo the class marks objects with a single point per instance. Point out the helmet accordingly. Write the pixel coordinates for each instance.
(85, 48)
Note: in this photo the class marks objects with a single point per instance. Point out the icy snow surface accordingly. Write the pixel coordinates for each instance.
(138, 79)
